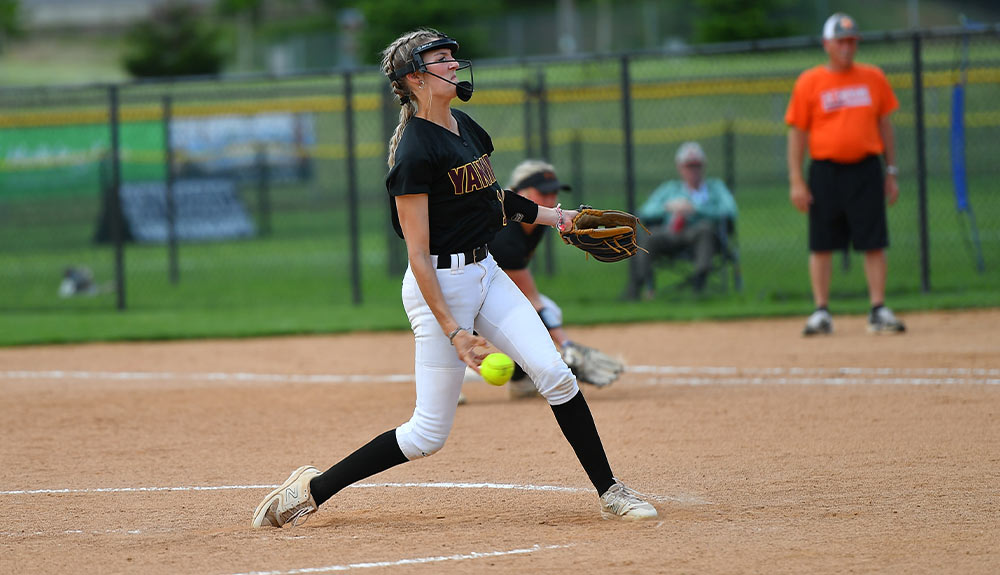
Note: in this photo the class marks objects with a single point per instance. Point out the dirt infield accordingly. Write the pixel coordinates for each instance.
(765, 453)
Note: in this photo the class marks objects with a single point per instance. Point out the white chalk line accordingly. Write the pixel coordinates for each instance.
(672, 375)
(329, 568)
(805, 371)
(683, 499)
(832, 381)
(211, 377)
(120, 531)
(410, 561)
(416, 485)
(134, 489)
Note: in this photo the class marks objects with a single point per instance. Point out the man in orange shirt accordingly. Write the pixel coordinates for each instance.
(842, 109)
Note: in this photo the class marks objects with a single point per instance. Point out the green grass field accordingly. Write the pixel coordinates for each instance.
(297, 281)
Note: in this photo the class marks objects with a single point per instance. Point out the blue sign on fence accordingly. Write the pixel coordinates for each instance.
(206, 209)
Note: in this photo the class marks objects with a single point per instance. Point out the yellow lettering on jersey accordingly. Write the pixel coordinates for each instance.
(475, 175)
(484, 170)
(472, 177)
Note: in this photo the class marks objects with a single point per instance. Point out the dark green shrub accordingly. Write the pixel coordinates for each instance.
(177, 40)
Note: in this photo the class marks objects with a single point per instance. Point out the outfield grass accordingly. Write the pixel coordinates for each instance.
(298, 281)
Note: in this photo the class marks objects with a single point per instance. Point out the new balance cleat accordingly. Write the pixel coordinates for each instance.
(289, 503)
(620, 502)
(883, 320)
(820, 322)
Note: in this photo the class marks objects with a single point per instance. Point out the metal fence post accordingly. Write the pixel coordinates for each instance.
(918, 105)
(117, 223)
(352, 189)
(543, 116)
(627, 143)
(729, 153)
(529, 128)
(576, 166)
(173, 272)
(263, 191)
(396, 258)
(543, 143)
(629, 155)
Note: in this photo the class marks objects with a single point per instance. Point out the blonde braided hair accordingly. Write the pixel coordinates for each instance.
(394, 57)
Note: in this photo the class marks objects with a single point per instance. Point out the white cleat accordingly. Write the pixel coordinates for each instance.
(620, 502)
(289, 503)
(819, 323)
(884, 321)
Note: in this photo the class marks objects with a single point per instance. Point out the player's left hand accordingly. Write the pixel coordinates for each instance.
(568, 217)
(608, 235)
(891, 189)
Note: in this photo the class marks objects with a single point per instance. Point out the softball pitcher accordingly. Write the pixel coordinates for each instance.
(447, 205)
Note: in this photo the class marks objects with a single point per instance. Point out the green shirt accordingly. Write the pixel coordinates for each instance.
(712, 202)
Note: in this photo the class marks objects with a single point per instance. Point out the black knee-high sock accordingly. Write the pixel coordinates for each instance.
(577, 424)
(374, 457)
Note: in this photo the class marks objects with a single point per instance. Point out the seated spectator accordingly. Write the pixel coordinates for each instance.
(682, 216)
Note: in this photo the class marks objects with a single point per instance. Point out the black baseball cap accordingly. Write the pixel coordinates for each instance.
(545, 182)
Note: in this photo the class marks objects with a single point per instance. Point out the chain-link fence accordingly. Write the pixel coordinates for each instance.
(272, 189)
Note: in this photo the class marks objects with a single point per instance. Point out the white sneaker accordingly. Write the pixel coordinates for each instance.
(620, 502)
(884, 321)
(291, 502)
(820, 322)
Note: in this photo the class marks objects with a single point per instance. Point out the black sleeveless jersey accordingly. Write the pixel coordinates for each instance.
(513, 248)
(463, 196)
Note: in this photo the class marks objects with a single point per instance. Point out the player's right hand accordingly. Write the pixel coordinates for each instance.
(800, 196)
(467, 346)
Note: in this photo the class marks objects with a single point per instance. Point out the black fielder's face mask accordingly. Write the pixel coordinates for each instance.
(463, 89)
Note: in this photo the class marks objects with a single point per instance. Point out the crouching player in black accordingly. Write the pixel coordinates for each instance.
(513, 248)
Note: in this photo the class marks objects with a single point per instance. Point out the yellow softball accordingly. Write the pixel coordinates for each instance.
(497, 368)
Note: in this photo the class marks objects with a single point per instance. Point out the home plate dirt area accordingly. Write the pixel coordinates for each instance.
(763, 451)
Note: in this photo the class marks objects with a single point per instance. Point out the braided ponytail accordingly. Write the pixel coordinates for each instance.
(395, 56)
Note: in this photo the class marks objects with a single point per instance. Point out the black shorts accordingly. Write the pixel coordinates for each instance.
(848, 203)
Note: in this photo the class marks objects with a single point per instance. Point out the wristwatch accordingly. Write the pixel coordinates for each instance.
(891, 170)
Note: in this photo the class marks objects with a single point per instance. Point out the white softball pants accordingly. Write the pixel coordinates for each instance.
(481, 297)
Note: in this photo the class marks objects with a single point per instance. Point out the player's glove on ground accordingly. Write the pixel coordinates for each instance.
(608, 235)
(591, 366)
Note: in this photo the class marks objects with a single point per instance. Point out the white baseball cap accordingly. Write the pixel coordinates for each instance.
(688, 152)
(839, 25)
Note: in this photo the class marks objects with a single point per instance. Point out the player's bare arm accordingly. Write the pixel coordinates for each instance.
(552, 217)
(798, 189)
(413, 219)
(889, 142)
